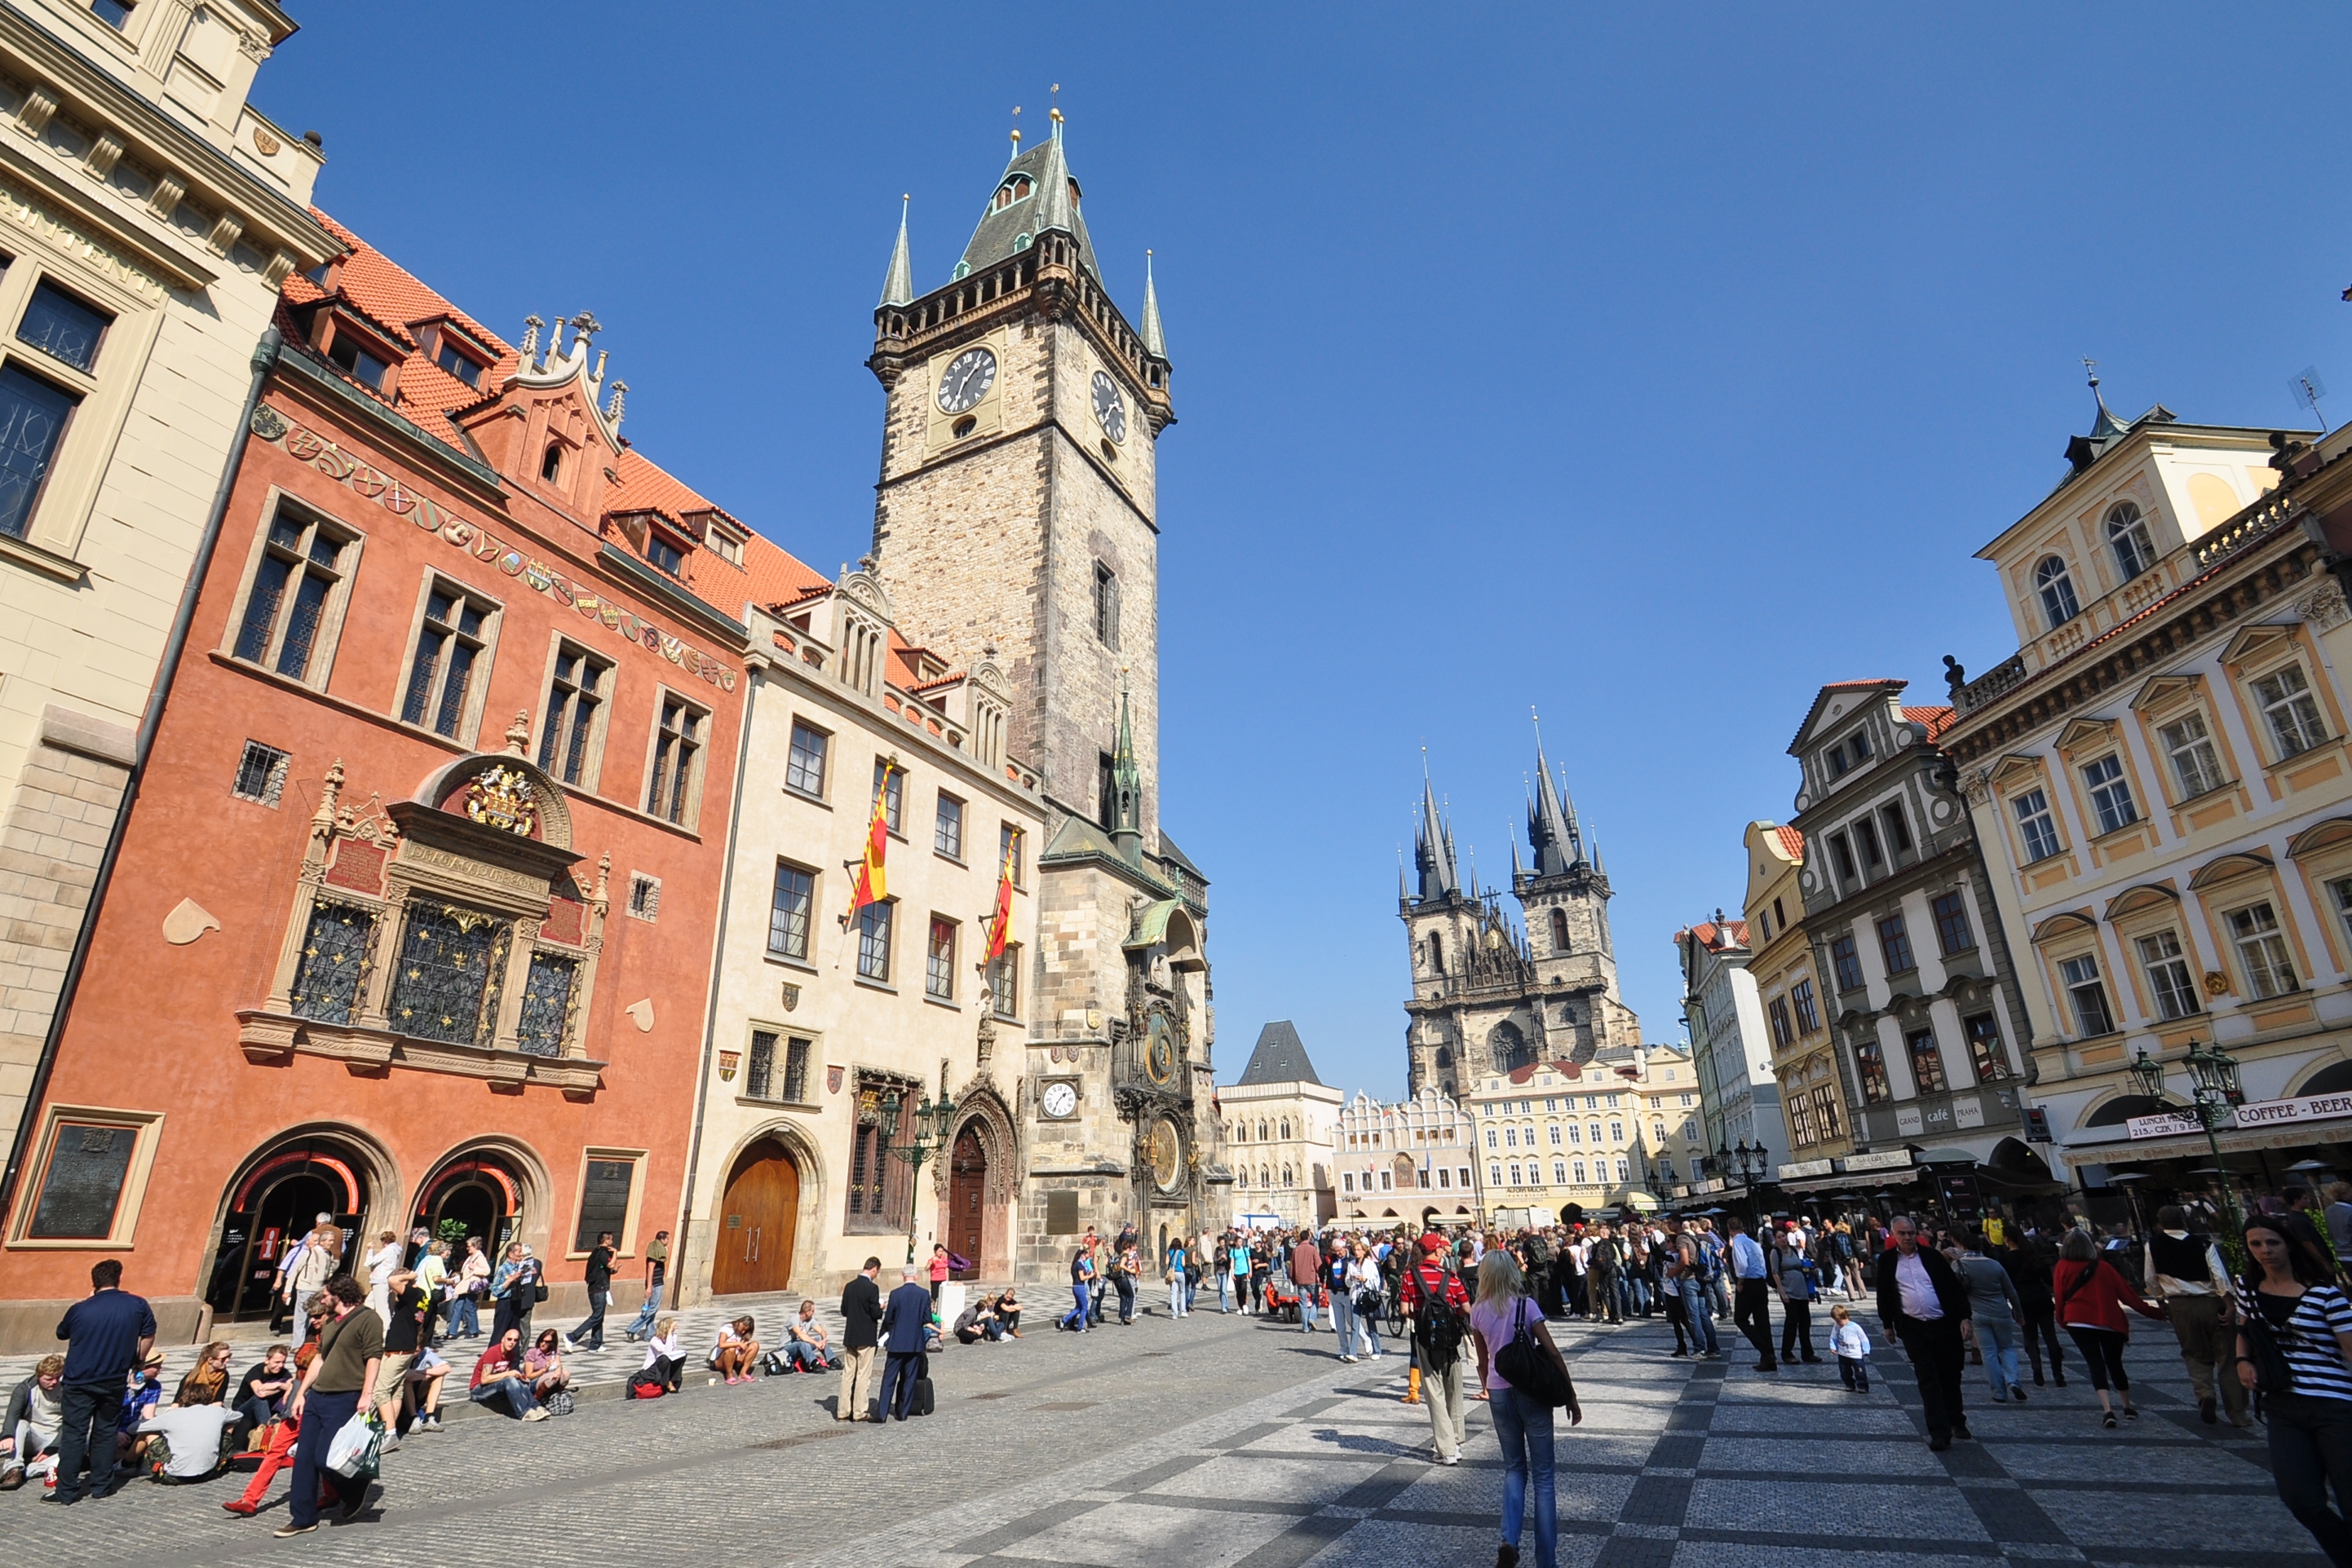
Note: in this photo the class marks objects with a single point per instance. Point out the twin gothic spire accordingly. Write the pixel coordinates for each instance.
(1552, 831)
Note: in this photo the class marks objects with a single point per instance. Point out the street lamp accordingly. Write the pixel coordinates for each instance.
(1747, 1165)
(2215, 1075)
(929, 1137)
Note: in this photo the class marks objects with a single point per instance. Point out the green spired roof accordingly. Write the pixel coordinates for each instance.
(1051, 204)
(1155, 340)
(899, 283)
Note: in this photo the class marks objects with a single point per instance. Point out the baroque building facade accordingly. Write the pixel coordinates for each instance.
(151, 214)
(2159, 772)
(1412, 1161)
(1814, 1092)
(1279, 1124)
(1728, 1042)
(1557, 1140)
(1487, 999)
(1017, 522)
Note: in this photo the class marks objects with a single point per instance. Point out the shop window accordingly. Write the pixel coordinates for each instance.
(295, 595)
(2170, 983)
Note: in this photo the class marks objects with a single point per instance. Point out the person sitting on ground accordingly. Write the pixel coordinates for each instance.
(279, 1453)
(425, 1376)
(211, 1372)
(544, 1367)
(141, 1398)
(806, 1341)
(664, 1357)
(736, 1352)
(268, 1384)
(1008, 1314)
(498, 1379)
(185, 1439)
(977, 1321)
(36, 1413)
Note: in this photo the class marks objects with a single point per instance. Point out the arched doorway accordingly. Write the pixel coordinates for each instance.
(476, 1194)
(756, 1220)
(279, 1198)
(967, 1215)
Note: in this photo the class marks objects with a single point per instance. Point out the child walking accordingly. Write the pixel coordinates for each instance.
(1852, 1348)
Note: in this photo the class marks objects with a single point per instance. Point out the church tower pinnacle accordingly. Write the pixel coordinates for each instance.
(899, 283)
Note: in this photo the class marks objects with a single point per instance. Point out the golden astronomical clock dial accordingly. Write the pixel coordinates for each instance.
(1159, 1052)
(1165, 1147)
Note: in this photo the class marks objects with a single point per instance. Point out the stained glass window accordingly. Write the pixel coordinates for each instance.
(546, 1004)
(445, 988)
(334, 963)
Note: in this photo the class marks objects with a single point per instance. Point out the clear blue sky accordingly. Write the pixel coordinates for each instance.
(1651, 368)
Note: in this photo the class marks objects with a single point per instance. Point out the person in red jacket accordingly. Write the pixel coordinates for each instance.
(2091, 1294)
(1440, 1310)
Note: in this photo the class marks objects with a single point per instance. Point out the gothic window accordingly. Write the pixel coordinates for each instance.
(295, 594)
(2127, 537)
(1015, 188)
(1445, 1057)
(677, 754)
(546, 1004)
(1436, 954)
(2057, 590)
(449, 642)
(1286, 1176)
(328, 981)
(551, 466)
(1560, 931)
(1286, 1132)
(575, 698)
(1261, 1131)
(446, 986)
(1507, 1047)
(1106, 790)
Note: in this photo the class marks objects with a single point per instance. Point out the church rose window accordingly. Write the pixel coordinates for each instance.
(546, 1004)
(334, 963)
(445, 988)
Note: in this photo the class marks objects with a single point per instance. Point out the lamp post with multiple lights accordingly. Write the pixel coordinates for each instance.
(2214, 1074)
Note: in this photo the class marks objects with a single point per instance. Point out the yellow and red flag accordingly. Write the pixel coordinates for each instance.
(1000, 924)
(873, 886)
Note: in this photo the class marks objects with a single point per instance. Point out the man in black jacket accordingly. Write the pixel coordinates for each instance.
(1922, 1303)
(861, 1320)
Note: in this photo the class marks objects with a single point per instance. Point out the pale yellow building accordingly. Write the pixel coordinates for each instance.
(1617, 1129)
(1805, 1060)
(150, 216)
(1279, 1119)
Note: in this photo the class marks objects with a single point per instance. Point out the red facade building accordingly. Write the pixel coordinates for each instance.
(414, 920)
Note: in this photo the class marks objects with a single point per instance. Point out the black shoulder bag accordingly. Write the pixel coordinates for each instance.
(1526, 1367)
(2273, 1373)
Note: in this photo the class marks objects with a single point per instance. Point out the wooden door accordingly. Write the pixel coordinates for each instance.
(967, 1195)
(755, 1223)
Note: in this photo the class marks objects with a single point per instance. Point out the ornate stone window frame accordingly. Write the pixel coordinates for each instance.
(385, 859)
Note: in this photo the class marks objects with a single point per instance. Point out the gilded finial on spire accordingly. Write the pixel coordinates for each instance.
(1055, 113)
(1016, 130)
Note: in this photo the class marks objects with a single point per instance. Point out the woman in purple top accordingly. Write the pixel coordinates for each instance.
(1522, 1425)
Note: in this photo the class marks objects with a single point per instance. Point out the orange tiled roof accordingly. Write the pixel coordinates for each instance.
(1792, 841)
(1522, 1075)
(1936, 719)
(1710, 935)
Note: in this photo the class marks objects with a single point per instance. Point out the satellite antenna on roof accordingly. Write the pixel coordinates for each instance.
(2308, 389)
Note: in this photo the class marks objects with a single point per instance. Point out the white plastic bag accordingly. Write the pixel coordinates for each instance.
(353, 1448)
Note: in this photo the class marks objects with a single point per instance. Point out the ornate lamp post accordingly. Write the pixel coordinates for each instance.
(1747, 1165)
(929, 1137)
(2215, 1075)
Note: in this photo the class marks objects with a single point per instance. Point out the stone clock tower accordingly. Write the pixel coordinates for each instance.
(1016, 518)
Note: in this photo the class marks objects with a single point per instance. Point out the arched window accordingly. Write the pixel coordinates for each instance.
(1016, 189)
(2057, 590)
(551, 466)
(1559, 930)
(1263, 1178)
(1240, 1176)
(1444, 1057)
(1261, 1131)
(1286, 1132)
(1436, 954)
(2127, 537)
(1286, 1176)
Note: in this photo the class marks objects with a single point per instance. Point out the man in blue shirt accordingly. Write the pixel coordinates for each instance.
(107, 1334)
(1751, 1279)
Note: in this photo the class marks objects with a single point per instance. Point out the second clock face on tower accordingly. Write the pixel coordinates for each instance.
(1111, 408)
(967, 380)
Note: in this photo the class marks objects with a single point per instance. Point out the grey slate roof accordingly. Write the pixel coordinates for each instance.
(1050, 204)
(1280, 1058)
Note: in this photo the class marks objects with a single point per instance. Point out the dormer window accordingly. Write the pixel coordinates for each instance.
(1016, 189)
(551, 467)
(2057, 589)
(2127, 536)
(357, 362)
(725, 545)
(458, 364)
(665, 555)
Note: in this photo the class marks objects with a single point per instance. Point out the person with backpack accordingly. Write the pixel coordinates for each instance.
(1437, 1309)
(1687, 1277)
(1510, 1332)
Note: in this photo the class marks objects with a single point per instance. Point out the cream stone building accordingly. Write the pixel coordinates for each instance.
(1279, 1120)
(1620, 1128)
(829, 1037)
(151, 214)
(1803, 1061)
(1741, 1098)
(2159, 776)
(1412, 1161)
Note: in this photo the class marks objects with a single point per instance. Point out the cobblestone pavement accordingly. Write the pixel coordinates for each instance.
(1221, 1442)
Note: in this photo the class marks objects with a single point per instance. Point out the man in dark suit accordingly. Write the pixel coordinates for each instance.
(904, 1320)
(1922, 1303)
(861, 1317)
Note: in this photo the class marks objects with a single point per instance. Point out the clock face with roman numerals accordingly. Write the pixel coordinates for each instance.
(969, 376)
(1111, 408)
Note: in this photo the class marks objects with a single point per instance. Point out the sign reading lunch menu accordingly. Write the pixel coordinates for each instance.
(2254, 1113)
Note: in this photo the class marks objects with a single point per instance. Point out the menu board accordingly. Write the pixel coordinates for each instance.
(604, 1200)
(83, 1183)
